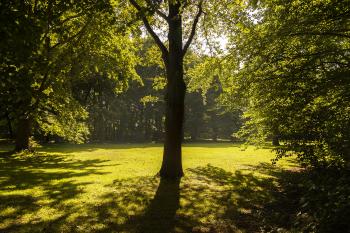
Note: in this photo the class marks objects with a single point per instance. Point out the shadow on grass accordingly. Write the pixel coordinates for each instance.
(32, 183)
(208, 199)
(161, 212)
(69, 148)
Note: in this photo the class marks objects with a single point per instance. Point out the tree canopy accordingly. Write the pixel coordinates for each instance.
(46, 45)
(290, 73)
(255, 71)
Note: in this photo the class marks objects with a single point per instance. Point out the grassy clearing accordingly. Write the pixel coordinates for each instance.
(113, 188)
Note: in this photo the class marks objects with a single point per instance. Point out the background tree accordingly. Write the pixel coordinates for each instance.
(292, 69)
(136, 114)
(42, 42)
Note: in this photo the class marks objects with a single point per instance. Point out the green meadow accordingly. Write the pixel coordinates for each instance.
(114, 188)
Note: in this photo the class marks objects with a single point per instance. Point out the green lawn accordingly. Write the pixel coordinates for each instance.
(113, 188)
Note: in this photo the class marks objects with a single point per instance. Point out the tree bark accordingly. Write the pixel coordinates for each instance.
(9, 124)
(176, 88)
(275, 141)
(24, 131)
(174, 97)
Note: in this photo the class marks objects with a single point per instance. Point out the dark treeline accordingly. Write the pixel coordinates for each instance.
(136, 113)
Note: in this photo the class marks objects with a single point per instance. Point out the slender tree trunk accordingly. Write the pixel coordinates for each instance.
(174, 98)
(158, 132)
(275, 141)
(24, 131)
(194, 133)
(9, 124)
(215, 133)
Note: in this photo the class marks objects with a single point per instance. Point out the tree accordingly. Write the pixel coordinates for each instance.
(41, 50)
(175, 90)
(291, 65)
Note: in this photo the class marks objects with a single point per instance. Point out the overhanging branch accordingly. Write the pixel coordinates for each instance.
(155, 8)
(162, 14)
(149, 28)
(194, 26)
(69, 39)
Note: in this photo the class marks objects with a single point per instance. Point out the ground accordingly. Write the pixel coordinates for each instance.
(114, 188)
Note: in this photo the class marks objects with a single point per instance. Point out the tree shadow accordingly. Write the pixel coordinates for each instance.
(208, 199)
(258, 198)
(161, 212)
(205, 144)
(68, 148)
(32, 184)
(23, 172)
(91, 147)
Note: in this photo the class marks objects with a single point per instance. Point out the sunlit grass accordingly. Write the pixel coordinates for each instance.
(113, 188)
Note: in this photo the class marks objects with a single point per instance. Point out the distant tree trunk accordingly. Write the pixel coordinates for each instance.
(215, 133)
(24, 131)
(275, 141)
(174, 97)
(194, 133)
(9, 124)
(157, 134)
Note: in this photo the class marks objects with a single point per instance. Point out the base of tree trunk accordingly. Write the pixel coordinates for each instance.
(275, 141)
(170, 176)
(172, 165)
(23, 134)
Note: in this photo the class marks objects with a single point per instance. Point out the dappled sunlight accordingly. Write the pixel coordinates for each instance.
(83, 148)
(208, 199)
(115, 190)
(35, 188)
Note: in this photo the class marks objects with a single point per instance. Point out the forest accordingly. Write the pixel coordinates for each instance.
(175, 116)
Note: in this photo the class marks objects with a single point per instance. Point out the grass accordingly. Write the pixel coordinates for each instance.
(113, 188)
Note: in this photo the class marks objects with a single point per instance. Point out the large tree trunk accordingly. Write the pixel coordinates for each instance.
(174, 98)
(24, 131)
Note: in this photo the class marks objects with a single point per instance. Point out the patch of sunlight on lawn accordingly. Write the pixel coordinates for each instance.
(113, 188)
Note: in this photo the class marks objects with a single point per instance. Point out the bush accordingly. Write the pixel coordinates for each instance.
(324, 202)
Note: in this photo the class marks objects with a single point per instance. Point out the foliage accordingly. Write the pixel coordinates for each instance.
(324, 202)
(49, 44)
(136, 113)
(291, 61)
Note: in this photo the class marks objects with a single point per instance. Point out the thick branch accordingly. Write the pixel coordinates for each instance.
(162, 14)
(72, 17)
(154, 36)
(194, 26)
(154, 8)
(149, 28)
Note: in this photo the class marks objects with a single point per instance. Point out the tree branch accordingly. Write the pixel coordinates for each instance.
(80, 32)
(149, 28)
(72, 17)
(194, 26)
(162, 14)
(154, 8)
